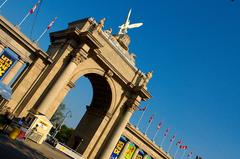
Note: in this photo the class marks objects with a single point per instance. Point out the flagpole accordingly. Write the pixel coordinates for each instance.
(23, 19)
(170, 146)
(183, 153)
(41, 35)
(176, 152)
(148, 127)
(140, 119)
(3, 4)
(155, 134)
(163, 141)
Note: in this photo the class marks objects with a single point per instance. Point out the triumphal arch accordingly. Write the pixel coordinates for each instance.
(38, 82)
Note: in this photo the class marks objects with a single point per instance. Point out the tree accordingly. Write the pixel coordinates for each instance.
(64, 134)
(58, 116)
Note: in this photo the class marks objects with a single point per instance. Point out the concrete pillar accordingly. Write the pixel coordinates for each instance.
(2, 47)
(13, 72)
(135, 153)
(62, 81)
(124, 150)
(119, 128)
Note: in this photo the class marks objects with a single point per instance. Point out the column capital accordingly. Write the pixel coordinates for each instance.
(133, 103)
(80, 54)
(78, 58)
(108, 74)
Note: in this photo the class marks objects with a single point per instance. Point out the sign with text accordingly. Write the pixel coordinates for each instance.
(119, 147)
(130, 151)
(140, 155)
(6, 61)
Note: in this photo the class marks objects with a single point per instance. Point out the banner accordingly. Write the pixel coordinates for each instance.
(130, 151)
(140, 155)
(6, 61)
(148, 157)
(119, 147)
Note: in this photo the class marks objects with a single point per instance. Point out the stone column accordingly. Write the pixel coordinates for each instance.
(2, 47)
(64, 79)
(124, 150)
(119, 128)
(13, 72)
(135, 153)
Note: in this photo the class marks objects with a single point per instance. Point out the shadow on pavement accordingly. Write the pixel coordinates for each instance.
(10, 149)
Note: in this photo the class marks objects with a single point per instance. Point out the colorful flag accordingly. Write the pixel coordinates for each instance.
(159, 125)
(52, 22)
(151, 118)
(179, 142)
(34, 7)
(142, 109)
(166, 132)
(183, 147)
(173, 138)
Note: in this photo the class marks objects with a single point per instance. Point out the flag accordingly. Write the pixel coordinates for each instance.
(166, 132)
(142, 109)
(179, 142)
(173, 138)
(34, 7)
(189, 154)
(151, 118)
(159, 125)
(52, 22)
(183, 147)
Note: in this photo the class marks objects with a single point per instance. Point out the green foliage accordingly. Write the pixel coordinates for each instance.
(64, 134)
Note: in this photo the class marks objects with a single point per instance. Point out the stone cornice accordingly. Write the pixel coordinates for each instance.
(145, 140)
(21, 38)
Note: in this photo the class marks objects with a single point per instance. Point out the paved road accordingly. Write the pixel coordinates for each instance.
(12, 149)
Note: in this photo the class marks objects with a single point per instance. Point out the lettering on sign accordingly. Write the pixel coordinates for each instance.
(6, 61)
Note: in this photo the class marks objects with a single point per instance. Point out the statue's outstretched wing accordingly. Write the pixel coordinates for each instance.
(136, 25)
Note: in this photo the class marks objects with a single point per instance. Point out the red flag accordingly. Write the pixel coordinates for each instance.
(142, 109)
(173, 138)
(52, 22)
(151, 118)
(159, 125)
(166, 132)
(179, 142)
(183, 147)
(34, 7)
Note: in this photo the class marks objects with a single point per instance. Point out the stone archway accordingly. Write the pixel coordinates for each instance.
(87, 131)
(83, 49)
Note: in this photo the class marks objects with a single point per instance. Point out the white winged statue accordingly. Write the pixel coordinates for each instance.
(124, 27)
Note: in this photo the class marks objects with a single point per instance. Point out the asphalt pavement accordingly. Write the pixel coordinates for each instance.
(14, 149)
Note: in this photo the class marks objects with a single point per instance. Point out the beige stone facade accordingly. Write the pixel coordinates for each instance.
(83, 49)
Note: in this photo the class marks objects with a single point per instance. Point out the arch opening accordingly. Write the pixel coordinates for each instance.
(97, 90)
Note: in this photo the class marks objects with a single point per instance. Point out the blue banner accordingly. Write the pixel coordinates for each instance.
(119, 147)
(140, 155)
(6, 61)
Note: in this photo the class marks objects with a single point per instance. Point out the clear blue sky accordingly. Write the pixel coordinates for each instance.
(193, 48)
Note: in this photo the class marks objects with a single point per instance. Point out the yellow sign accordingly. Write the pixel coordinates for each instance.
(6, 61)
